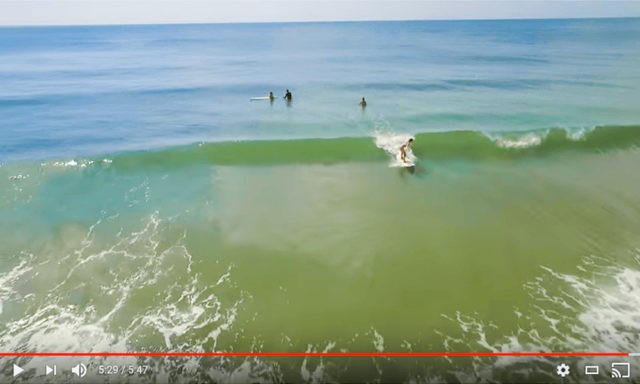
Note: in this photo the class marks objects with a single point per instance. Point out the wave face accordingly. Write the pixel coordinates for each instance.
(427, 146)
(482, 247)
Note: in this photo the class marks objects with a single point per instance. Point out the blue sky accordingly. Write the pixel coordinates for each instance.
(61, 12)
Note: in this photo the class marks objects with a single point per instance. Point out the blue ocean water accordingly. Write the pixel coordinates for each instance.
(85, 91)
(146, 205)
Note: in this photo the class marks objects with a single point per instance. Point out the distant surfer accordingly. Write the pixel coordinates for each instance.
(403, 150)
(271, 97)
(288, 96)
(363, 103)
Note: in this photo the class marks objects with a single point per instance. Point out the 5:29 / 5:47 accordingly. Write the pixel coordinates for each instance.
(123, 369)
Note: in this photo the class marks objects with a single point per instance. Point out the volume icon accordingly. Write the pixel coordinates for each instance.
(79, 370)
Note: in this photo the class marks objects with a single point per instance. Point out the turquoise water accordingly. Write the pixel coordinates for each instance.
(147, 205)
(79, 91)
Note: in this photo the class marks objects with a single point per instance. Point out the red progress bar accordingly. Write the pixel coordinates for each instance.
(315, 354)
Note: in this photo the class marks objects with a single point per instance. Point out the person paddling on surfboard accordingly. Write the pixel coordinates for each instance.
(403, 150)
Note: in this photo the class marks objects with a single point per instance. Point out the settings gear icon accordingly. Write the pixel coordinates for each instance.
(562, 370)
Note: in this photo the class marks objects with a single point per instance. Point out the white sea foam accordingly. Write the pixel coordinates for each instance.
(319, 374)
(570, 312)
(72, 163)
(525, 141)
(533, 139)
(118, 270)
(391, 142)
(614, 323)
(18, 177)
(378, 341)
(578, 134)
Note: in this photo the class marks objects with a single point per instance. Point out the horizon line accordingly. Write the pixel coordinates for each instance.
(318, 21)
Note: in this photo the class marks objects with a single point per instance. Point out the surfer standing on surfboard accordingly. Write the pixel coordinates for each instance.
(403, 150)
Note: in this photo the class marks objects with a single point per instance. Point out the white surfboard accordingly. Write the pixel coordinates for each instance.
(403, 164)
(261, 98)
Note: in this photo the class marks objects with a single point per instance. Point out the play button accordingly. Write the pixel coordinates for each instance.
(17, 370)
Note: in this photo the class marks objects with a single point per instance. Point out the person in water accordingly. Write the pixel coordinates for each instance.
(363, 103)
(287, 96)
(271, 97)
(403, 150)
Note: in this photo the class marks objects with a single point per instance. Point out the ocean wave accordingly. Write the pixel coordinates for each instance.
(105, 313)
(429, 146)
(432, 146)
(569, 312)
(503, 84)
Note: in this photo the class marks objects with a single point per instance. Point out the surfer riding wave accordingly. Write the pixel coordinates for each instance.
(398, 147)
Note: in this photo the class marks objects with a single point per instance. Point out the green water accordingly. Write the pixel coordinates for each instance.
(454, 255)
(449, 145)
(409, 248)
